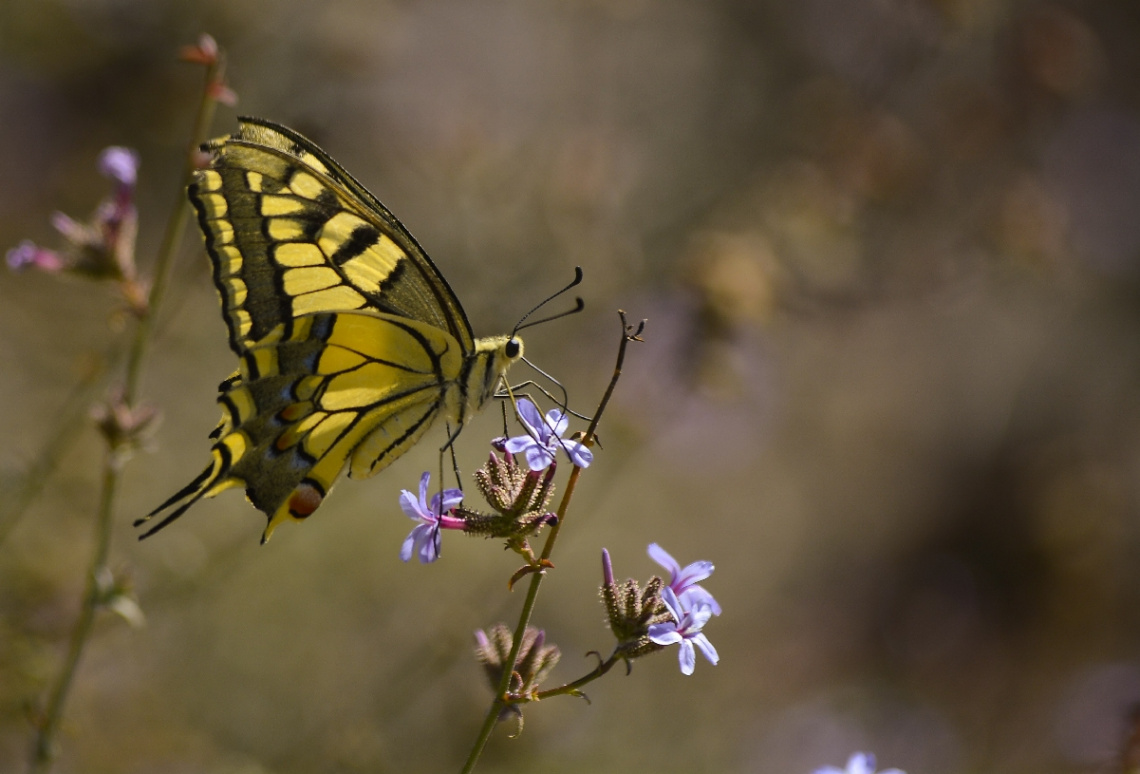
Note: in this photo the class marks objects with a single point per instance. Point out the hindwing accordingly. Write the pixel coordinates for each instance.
(325, 391)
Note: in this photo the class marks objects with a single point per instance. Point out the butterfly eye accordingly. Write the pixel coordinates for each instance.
(511, 348)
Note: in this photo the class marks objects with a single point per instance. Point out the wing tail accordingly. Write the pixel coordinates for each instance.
(209, 482)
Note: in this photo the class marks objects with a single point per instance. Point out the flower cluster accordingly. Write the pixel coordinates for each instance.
(535, 660)
(859, 763)
(424, 539)
(662, 615)
(543, 438)
(517, 495)
(104, 246)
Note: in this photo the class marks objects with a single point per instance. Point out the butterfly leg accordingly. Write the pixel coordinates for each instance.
(560, 403)
(450, 446)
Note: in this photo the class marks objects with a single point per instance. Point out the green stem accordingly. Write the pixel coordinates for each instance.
(573, 688)
(43, 753)
(502, 699)
(43, 750)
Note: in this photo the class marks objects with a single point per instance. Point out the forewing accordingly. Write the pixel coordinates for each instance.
(290, 233)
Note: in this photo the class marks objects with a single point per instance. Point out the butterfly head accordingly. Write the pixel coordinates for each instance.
(493, 357)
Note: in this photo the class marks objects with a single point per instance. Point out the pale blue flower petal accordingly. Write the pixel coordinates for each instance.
(861, 763)
(424, 479)
(693, 574)
(556, 422)
(858, 763)
(409, 544)
(674, 604)
(119, 164)
(696, 595)
(665, 559)
(538, 457)
(409, 505)
(519, 443)
(451, 498)
(706, 647)
(664, 633)
(543, 438)
(699, 616)
(579, 453)
(687, 657)
(530, 416)
(429, 544)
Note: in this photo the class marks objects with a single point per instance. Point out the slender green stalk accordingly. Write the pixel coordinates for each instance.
(43, 749)
(572, 688)
(502, 697)
(43, 753)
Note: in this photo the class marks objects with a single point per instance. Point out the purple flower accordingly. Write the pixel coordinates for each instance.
(544, 437)
(103, 246)
(28, 254)
(683, 580)
(120, 164)
(859, 763)
(424, 539)
(685, 629)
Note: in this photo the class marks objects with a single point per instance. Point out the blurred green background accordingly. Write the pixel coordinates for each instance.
(889, 251)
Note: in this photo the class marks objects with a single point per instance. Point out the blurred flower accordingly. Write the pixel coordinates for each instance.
(104, 246)
(117, 595)
(220, 92)
(535, 659)
(121, 165)
(124, 427)
(685, 630)
(859, 763)
(29, 254)
(424, 539)
(544, 437)
(683, 580)
(205, 52)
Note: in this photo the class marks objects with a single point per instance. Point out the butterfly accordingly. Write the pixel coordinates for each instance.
(349, 340)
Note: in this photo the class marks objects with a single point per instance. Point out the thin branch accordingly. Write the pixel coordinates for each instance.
(502, 698)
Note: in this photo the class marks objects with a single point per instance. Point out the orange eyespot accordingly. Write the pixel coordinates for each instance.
(305, 499)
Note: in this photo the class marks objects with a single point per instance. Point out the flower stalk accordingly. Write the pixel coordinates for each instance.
(120, 435)
(503, 698)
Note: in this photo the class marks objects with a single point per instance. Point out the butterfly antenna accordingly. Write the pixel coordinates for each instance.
(578, 306)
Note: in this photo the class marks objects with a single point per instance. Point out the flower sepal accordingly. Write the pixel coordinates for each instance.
(533, 665)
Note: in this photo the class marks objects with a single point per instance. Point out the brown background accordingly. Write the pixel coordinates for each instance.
(889, 254)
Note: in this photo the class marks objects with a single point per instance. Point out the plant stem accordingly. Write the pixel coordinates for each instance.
(502, 700)
(43, 749)
(572, 688)
(43, 753)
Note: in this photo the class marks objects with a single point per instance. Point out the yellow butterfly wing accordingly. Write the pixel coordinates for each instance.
(290, 233)
(350, 341)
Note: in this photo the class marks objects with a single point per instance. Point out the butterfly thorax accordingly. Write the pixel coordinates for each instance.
(483, 371)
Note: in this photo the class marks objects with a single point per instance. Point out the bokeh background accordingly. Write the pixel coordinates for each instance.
(889, 251)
